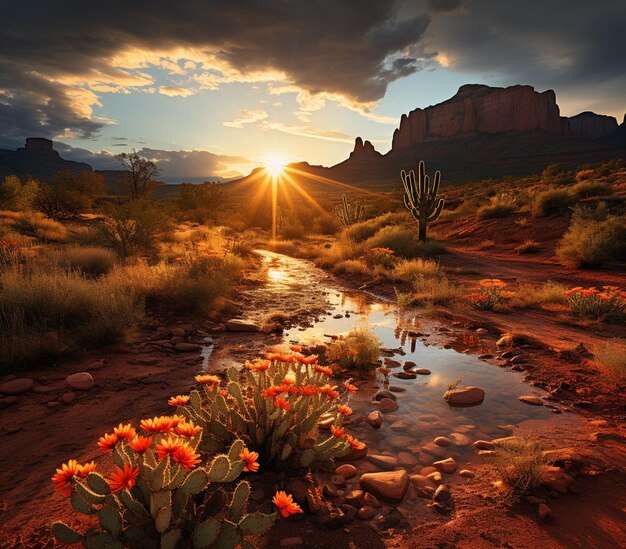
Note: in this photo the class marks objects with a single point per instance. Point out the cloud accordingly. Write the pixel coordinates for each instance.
(54, 63)
(308, 131)
(247, 117)
(175, 91)
(174, 165)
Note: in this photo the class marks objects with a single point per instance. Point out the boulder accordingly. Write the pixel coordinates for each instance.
(388, 405)
(466, 396)
(82, 381)
(388, 485)
(17, 386)
(240, 325)
(556, 479)
(375, 419)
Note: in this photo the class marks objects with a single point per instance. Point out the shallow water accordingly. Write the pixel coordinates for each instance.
(423, 413)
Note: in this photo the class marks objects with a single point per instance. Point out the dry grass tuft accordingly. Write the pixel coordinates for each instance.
(435, 290)
(528, 247)
(612, 355)
(408, 270)
(90, 260)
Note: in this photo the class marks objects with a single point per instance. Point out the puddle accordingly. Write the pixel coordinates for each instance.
(423, 414)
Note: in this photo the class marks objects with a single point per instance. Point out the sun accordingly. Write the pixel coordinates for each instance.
(275, 166)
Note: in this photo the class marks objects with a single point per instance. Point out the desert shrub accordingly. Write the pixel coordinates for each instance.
(92, 261)
(607, 304)
(555, 174)
(324, 224)
(552, 201)
(403, 240)
(490, 294)
(339, 251)
(409, 269)
(384, 258)
(293, 228)
(359, 348)
(40, 227)
(61, 309)
(612, 355)
(499, 206)
(592, 187)
(486, 244)
(436, 290)
(135, 227)
(275, 408)
(15, 195)
(593, 238)
(528, 295)
(584, 175)
(352, 267)
(528, 247)
(521, 465)
(360, 232)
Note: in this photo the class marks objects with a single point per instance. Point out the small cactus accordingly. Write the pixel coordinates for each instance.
(346, 213)
(420, 197)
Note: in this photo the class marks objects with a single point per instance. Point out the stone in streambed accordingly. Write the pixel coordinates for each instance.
(447, 466)
(240, 325)
(185, 347)
(17, 386)
(424, 486)
(81, 381)
(422, 371)
(532, 400)
(388, 405)
(389, 485)
(483, 445)
(443, 441)
(346, 470)
(384, 394)
(466, 396)
(375, 419)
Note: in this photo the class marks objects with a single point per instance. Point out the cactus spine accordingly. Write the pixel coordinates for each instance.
(346, 214)
(420, 197)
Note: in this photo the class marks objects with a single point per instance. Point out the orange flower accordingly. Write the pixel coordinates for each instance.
(271, 391)
(273, 356)
(356, 444)
(351, 388)
(384, 371)
(86, 468)
(160, 424)
(250, 459)
(186, 456)
(345, 410)
(309, 390)
(224, 392)
(140, 444)
(64, 475)
(338, 432)
(123, 478)
(168, 446)
(329, 391)
(492, 283)
(124, 432)
(178, 400)
(296, 348)
(204, 379)
(285, 504)
(108, 441)
(281, 403)
(311, 359)
(352, 352)
(324, 370)
(187, 428)
(286, 357)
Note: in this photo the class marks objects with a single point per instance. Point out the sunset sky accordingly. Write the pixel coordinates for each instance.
(215, 88)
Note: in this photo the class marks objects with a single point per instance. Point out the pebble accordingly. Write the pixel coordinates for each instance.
(381, 460)
(185, 347)
(68, 397)
(366, 513)
(346, 470)
(532, 400)
(422, 371)
(375, 419)
(466, 396)
(388, 485)
(82, 381)
(388, 405)
(442, 494)
(447, 465)
(384, 394)
(545, 513)
(371, 500)
(17, 386)
(466, 473)
(443, 441)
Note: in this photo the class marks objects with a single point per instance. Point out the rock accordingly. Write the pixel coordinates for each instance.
(371, 500)
(467, 396)
(405, 375)
(517, 359)
(545, 513)
(329, 491)
(388, 405)
(383, 461)
(425, 471)
(424, 486)
(355, 497)
(554, 478)
(442, 494)
(422, 371)
(375, 419)
(366, 513)
(82, 381)
(441, 508)
(466, 473)
(295, 541)
(17, 386)
(185, 347)
(346, 470)
(459, 439)
(400, 442)
(384, 394)
(349, 511)
(447, 465)
(436, 476)
(354, 454)
(388, 485)
(67, 398)
(408, 364)
(240, 325)
(177, 332)
(505, 341)
(443, 441)
(433, 449)
(400, 425)
(390, 363)
(532, 400)
(482, 331)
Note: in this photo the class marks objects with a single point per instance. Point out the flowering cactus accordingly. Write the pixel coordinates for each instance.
(606, 304)
(275, 409)
(159, 494)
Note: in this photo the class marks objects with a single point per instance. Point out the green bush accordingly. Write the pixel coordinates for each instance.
(592, 187)
(403, 241)
(593, 238)
(359, 349)
(552, 201)
(359, 232)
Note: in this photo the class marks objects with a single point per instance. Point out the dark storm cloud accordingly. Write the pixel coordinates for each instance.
(442, 6)
(340, 47)
(574, 47)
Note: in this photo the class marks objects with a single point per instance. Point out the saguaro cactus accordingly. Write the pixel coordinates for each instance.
(420, 197)
(346, 214)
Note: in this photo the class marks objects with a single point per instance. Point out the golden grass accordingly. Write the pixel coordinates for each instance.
(435, 290)
(528, 247)
(530, 295)
(360, 349)
(90, 260)
(408, 270)
(612, 355)
(352, 267)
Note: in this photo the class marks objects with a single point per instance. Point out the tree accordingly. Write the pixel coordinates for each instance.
(87, 182)
(58, 202)
(201, 202)
(15, 195)
(139, 175)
